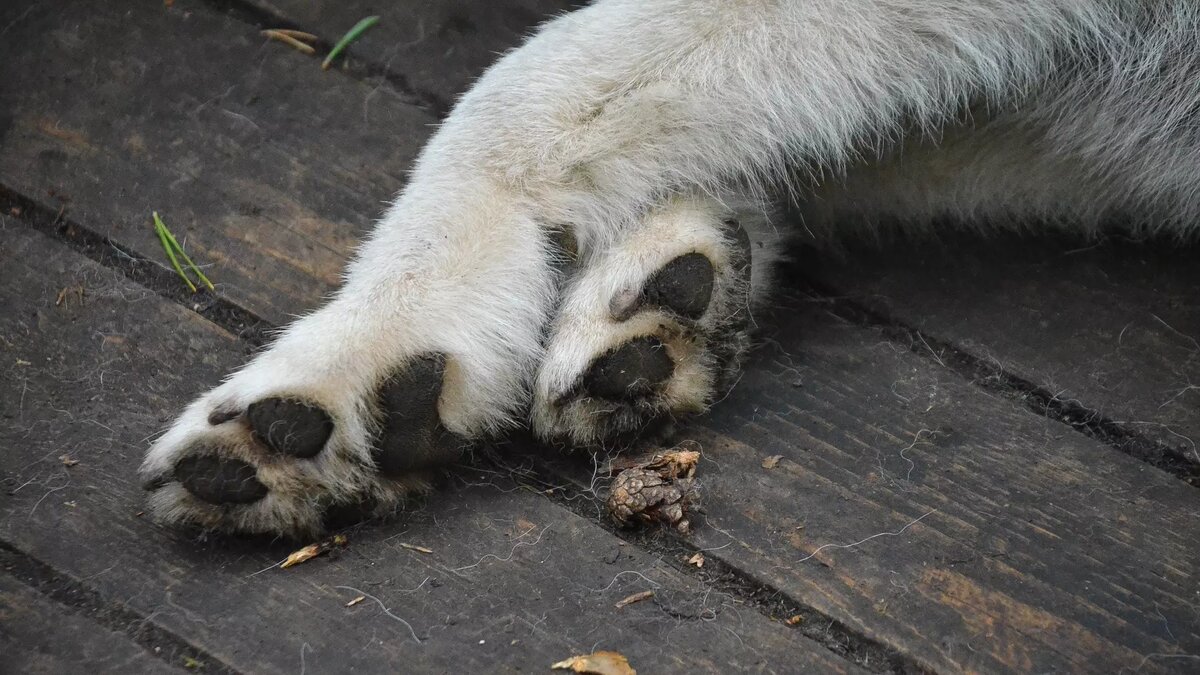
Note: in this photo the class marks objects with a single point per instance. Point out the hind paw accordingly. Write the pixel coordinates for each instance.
(653, 328)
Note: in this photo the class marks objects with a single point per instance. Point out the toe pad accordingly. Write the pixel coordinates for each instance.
(629, 371)
(684, 286)
(218, 480)
(290, 427)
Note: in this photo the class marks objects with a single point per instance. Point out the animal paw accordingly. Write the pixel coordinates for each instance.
(275, 453)
(652, 328)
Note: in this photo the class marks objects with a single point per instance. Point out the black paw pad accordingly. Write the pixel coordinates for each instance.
(220, 480)
(413, 436)
(684, 286)
(629, 371)
(291, 427)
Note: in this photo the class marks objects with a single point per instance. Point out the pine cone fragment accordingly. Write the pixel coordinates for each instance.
(658, 487)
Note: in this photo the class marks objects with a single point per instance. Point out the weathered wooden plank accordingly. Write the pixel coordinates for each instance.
(39, 636)
(513, 581)
(437, 48)
(960, 528)
(1112, 328)
(935, 630)
(269, 168)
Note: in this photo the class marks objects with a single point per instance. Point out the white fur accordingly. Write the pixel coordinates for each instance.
(1075, 112)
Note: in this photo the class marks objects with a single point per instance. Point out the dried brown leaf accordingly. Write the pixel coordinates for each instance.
(313, 550)
(597, 663)
(771, 462)
(794, 620)
(697, 560)
(307, 553)
(67, 460)
(636, 597)
(673, 463)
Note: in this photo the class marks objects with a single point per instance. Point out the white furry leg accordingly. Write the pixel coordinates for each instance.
(590, 126)
(654, 327)
(428, 347)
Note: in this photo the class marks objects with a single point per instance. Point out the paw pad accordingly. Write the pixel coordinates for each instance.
(412, 435)
(290, 427)
(683, 286)
(220, 480)
(634, 369)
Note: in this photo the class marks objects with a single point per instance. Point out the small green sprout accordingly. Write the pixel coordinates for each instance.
(172, 247)
(350, 36)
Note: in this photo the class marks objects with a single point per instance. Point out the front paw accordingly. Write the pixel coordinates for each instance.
(275, 453)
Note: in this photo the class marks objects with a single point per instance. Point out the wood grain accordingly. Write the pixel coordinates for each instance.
(1111, 328)
(267, 169)
(435, 48)
(957, 527)
(1036, 549)
(40, 637)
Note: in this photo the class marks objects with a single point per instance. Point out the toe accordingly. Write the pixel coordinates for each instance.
(413, 436)
(629, 371)
(220, 480)
(290, 427)
(684, 286)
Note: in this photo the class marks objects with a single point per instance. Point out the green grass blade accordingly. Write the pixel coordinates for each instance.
(180, 251)
(203, 279)
(350, 36)
(163, 236)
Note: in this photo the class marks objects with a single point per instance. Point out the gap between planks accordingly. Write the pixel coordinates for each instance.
(158, 642)
(357, 68)
(996, 380)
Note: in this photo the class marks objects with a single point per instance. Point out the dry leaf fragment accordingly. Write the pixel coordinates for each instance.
(636, 597)
(313, 550)
(794, 620)
(68, 292)
(771, 462)
(297, 557)
(414, 547)
(355, 601)
(597, 663)
(673, 463)
(697, 560)
(67, 460)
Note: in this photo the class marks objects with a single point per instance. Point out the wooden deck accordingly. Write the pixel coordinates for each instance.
(988, 449)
